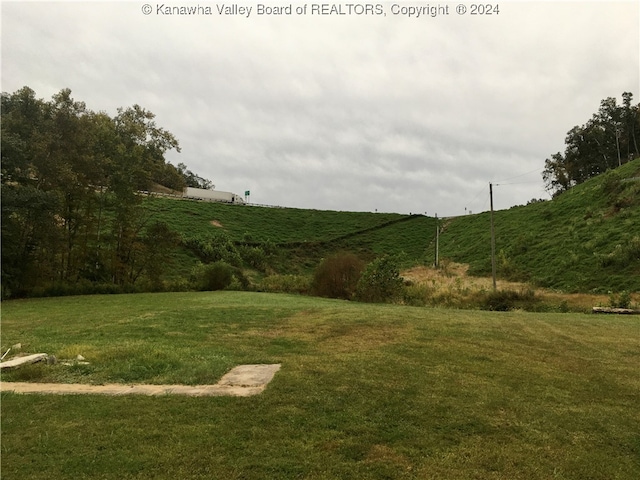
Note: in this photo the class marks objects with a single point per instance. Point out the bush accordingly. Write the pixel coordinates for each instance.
(623, 300)
(337, 276)
(505, 300)
(215, 248)
(215, 276)
(254, 257)
(380, 281)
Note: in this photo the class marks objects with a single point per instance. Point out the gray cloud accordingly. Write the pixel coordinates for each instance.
(346, 113)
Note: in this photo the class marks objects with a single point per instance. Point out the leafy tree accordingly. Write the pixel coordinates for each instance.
(604, 142)
(63, 167)
(139, 151)
(193, 180)
(169, 176)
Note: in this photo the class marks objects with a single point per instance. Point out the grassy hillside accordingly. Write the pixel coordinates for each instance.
(301, 236)
(364, 392)
(586, 239)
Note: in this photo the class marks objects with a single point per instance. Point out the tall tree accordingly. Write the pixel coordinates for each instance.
(63, 167)
(139, 154)
(605, 141)
(29, 226)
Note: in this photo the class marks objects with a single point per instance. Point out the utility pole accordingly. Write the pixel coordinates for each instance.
(437, 240)
(493, 240)
(618, 145)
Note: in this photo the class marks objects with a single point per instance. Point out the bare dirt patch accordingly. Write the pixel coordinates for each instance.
(216, 223)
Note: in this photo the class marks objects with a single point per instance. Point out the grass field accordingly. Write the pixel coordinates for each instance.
(365, 391)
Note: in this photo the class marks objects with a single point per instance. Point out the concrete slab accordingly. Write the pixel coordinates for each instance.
(249, 375)
(241, 381)
(27, 359)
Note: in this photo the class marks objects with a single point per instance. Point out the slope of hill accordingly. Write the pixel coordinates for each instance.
(302, 237)
(586, 239)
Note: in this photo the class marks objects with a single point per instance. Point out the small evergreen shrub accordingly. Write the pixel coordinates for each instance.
(253, 257)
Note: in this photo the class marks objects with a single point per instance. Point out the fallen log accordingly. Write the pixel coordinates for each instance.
(618, 311)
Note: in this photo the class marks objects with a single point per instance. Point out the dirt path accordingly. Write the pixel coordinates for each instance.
(241, 381)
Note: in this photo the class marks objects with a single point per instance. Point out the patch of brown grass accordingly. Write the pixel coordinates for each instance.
(388, 456)
(451, 279)
(331, 335)
(454, 275)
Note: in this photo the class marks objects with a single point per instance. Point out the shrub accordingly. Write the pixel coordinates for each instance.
(380, 281)
(623, 300)
(337, 276)
(254, 257)
(505, 300)
(215, 276)
(215, 248)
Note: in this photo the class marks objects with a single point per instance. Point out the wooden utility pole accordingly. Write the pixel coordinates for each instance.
(493, 240)
(437, 240)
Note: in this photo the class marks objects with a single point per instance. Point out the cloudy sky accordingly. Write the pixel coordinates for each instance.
(359, 112)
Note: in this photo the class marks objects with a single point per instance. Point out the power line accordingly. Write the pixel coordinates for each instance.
(523, 174)
(514, 183)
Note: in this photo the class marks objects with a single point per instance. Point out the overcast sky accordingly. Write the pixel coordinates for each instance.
(350, 112)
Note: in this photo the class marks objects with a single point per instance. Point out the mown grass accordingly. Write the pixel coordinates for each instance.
(365, 391)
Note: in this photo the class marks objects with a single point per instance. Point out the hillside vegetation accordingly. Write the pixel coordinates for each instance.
(297, 239)
(77, 218)
(584, 240)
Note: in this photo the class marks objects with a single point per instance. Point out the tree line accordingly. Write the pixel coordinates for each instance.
(610, 138)
(71, 211)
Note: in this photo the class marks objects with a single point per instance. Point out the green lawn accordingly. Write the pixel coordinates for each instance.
(365, 391)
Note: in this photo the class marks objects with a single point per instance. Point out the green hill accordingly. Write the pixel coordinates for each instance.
(585, 240)
(300, 237)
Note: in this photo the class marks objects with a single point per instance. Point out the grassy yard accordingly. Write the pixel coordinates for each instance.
(365, 391)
